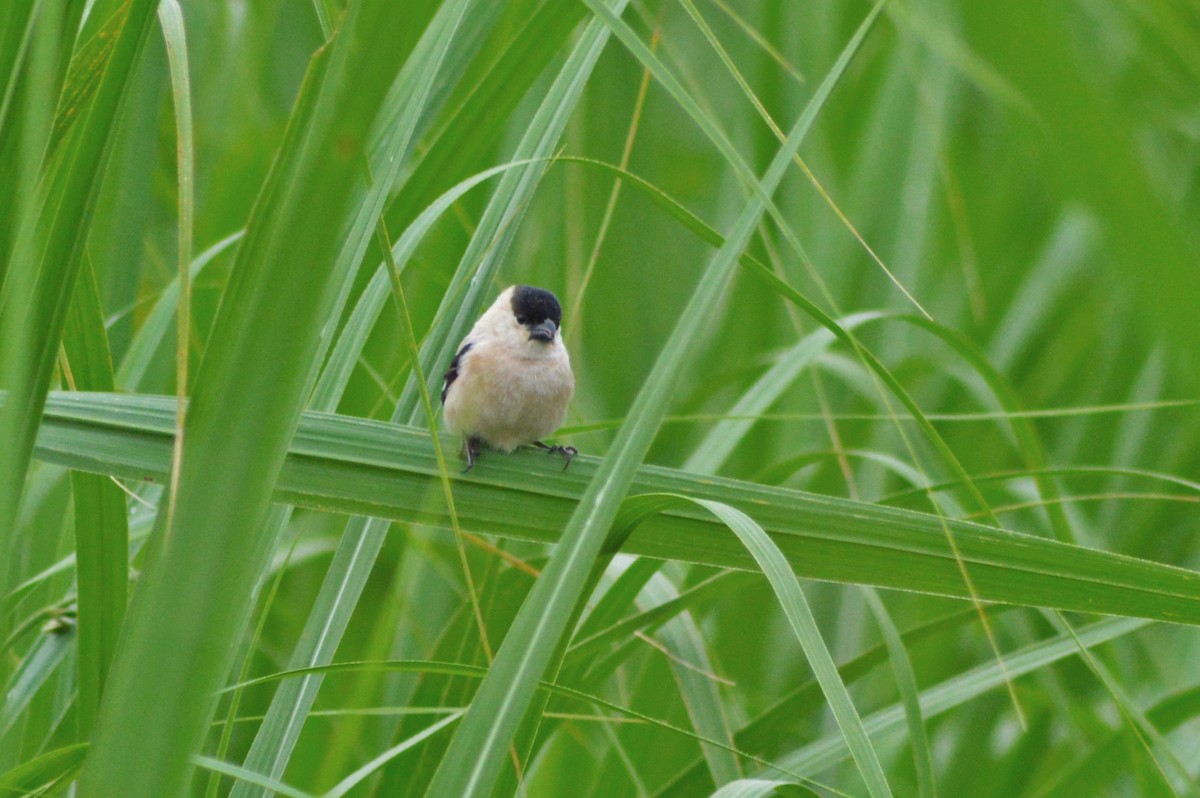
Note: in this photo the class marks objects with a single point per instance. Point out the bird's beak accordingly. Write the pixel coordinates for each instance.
(543, 332)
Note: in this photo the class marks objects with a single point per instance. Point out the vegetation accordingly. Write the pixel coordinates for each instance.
(883, 318)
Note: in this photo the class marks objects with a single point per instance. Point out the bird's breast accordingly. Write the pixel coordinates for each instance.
(508, 400)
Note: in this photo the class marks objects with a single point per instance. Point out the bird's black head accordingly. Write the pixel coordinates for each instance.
(537, 310)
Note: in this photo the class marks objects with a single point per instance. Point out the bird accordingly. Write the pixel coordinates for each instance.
(511, 380)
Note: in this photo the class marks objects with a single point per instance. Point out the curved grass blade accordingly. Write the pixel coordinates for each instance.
(356, 466)
(759, 788)
(16, 29)
(791, 598)
(957, 690)
(170, 17)
(343, 787)
(906, 683)
(498, 226)
(37, 666)
(41, 772)
(211, 546)
(764, 735)
(504, 696)
(246, 776)
(477, 672)
(692, 667)
(390, 141)
(361, 543)
(778, 472)
(49, 257)
(153, 330)
(1056, 471)
(370, 303)
(723, 438)
(587, 647)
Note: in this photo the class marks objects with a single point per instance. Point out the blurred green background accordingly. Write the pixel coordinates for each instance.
(1026, 175)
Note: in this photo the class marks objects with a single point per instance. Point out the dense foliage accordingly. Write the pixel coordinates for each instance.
(884, 324)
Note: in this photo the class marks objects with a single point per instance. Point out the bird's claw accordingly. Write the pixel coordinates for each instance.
(471, 452)
(568, 452)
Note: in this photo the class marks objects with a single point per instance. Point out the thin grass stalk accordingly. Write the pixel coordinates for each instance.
(525, 654)
(35, 297)
(208, 552)
(363, 538)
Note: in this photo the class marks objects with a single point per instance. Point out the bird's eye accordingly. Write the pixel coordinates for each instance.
(521, 320)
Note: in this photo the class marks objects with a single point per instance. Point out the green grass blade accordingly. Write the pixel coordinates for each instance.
(493, 236)
(725, 435)
(795, 606)
(477, 672)
(1065, 471)
(906, 683)
(364, 537)
(101, 527)
(170, 17)
(487, 730)
(693, 670)
(33, 306)
(154, 328)
(16, 20)
(210, 545)
(759, 788)
(585, 649)
(370, 303)
(50, 768)
(36, 668)
(355, 466)
(399, 116)
(955, 691)
(357, 777)
(23, 125)
(247, 776)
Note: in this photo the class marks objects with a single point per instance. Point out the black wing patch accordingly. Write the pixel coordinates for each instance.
(452, 374)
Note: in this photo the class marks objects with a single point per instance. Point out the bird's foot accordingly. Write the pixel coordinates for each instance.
(471, 452)
(567, 452)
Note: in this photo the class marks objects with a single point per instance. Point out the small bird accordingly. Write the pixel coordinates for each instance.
(511, 380)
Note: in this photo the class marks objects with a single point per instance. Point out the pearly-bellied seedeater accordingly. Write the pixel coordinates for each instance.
(511, 380)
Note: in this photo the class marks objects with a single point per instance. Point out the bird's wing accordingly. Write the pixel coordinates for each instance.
(452, 374)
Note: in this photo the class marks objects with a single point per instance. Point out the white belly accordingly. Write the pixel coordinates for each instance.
(508, 402)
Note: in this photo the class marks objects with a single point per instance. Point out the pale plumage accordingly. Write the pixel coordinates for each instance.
(511, 381)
